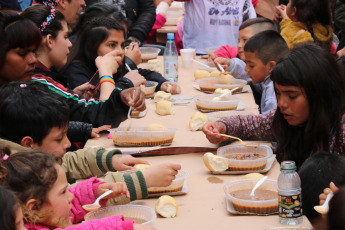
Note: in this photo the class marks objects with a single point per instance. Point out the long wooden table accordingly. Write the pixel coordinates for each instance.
(204, 205)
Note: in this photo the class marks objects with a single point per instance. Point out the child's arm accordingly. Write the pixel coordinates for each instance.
(268, 99)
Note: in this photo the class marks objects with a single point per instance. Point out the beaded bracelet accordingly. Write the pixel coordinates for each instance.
(106, 78)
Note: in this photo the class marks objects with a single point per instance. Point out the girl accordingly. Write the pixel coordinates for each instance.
(306, 21)
(11, 215)
(41, 187)
(310, 115)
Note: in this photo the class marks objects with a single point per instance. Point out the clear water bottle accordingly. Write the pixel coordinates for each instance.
(289, 194)
(171, 59)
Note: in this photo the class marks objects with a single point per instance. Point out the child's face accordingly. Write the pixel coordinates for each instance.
(71, 9)
(58, 205)
(60, 47)
(243, 36)
(20, 220)
(19, 65)
(115, 41)
(56, 142)
(293, 104)
(257, 70)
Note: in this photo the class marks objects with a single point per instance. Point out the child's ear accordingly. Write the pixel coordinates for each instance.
(27, 142)
(293, 12)
(62, 3)
(32, 204)
(49, 40)
(270, 65)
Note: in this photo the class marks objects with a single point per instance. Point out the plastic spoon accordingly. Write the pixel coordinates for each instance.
(221, 68)
(323, 209)
(96, 205)
(262, 180)
(224, 94)
(242, 142)
(201, 63)
(129, 115)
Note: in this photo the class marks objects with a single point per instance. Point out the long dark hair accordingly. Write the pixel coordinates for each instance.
(9, 206)
(313, 69)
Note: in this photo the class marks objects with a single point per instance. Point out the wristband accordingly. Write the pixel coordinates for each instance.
(106, 78)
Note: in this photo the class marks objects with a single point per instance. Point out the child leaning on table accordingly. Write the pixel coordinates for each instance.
(310, 118)
(41, 187)
(40, 123)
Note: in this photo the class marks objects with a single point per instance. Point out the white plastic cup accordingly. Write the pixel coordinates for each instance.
(187, 55)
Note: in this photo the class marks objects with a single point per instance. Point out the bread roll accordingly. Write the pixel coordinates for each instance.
(169, 88)
(161, 96)
(197, 121)
(253, 176)
(215, 163)
(225, 79)
(221, 91)
(164, 108)
(135, 113)
(155, 127)
(201, 74)
(215, 73)
(166, 206)
(154, 62)
(141, 166)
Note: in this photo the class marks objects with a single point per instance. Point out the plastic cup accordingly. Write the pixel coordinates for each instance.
(187, 55)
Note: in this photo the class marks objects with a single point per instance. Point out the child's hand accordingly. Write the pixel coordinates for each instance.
(326, 191)
(161, 175)
(86, 89)
(137, 102)
(212, 131)
(133, 52)
(143, 227)
(341, 52)
(224, 62)
(175, 88)
(109, 63)
(124, 162)
(119, 188)
(136, 78)
(281, 12)
(96, 131)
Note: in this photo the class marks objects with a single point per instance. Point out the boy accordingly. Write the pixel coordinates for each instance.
(262, 52)
(31, 117)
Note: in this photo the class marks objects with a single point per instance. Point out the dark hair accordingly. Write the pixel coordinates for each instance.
(38, 14)
(316, 173)
(336, 214)
(267, 45)
(258, 24)
(100, 9)
(30, 109)
(16, 32)
(30, 175)
(94, 33)
(313, 69)
(9, 206)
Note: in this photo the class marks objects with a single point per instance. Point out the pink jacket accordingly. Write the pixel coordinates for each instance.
(159, 23)
(226, 51)
(85, 193)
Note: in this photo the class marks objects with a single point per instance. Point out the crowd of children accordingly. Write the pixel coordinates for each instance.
(60, 57)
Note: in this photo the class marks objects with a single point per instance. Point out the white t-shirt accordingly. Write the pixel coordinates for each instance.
(214, 23)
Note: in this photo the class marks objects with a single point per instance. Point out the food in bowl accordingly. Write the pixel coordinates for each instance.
(265, 200)
(245, 156)
(149, 88)
(210, 84)
(205, 103)
(148, 53)
(225, 79)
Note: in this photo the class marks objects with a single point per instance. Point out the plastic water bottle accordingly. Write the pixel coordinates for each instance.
(289, 194)
(171, 59)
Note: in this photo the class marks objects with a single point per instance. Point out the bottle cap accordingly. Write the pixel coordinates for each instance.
(171, 36)
(288, 165)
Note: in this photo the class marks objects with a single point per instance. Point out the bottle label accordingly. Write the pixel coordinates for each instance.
(290, 206)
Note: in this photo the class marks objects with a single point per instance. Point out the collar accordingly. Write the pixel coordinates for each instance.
(41, 66)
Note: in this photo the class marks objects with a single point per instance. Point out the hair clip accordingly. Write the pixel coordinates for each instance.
(5, 157)
(22, 85)
(51, 16)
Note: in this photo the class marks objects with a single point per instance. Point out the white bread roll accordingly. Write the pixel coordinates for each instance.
(141, 166)
(221, 91)
(215, 73)
(169, 88)
(155, 127)
(161, 96)
(164, 108)
(215, 163)
(201, 74)
(253, 176)
(166, 206)
(225, 79)
(197, 121)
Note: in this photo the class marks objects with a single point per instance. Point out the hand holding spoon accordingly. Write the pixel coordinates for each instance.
(96, 205)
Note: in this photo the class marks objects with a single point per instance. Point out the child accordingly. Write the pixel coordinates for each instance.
(17, 63)
(262, 52)
(310, 115)
(306, 21)
(41, 187)
(11, 214)
(34, 125)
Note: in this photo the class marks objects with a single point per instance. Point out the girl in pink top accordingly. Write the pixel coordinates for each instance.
(41, 187)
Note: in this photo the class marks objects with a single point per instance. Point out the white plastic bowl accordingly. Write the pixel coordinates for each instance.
(150, 88)
(138, 213)
(210, 84)
(205, 103)
(175, 186)
(148, 53)
(215, 116)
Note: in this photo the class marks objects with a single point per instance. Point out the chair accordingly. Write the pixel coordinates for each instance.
(161, 53)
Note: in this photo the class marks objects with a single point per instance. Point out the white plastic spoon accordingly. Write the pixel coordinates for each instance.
(221, 68)
(223, 95)
(201, 63)
(262, 180)
(96, 205)
(323, 209)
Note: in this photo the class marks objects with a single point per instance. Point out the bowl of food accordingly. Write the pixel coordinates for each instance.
(148, 53)
(242, 158)
(141, 136)
(210, 102)
(175, 186)
(140, 214)
(212, 83)
(264, 201)
(215, 116)
(149, 88)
